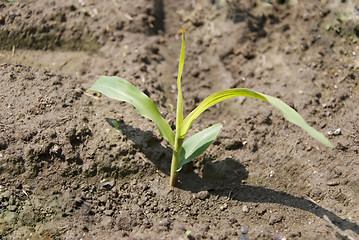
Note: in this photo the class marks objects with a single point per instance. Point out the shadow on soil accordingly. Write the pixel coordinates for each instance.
(223, 178)
(255, 24)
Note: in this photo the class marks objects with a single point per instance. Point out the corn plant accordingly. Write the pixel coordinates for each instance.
(185, 151)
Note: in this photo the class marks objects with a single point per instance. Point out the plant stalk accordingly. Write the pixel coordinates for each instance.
(179, 117)
(175, 158)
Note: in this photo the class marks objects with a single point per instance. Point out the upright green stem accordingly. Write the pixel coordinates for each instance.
(174, 165)
(179, 117)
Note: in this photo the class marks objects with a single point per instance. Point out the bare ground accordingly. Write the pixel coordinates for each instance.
(66, 173)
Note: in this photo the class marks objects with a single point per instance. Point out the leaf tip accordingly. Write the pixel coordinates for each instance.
(329, 144)
(181, 31)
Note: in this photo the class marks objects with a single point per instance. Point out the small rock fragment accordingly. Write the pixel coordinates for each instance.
(333, 183)
(189, 202)
(108, 185)
(245, 209)
(308, 148)
(223, 207)
(203, 195)
(335, 132)
(244, 229)
(108, 212)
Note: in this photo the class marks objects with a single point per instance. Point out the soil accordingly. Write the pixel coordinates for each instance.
(67, 173)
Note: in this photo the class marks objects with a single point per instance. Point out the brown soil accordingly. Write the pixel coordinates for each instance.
(66, 173)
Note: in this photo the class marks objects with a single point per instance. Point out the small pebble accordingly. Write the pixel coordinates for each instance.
(245, 209)
(335, 132)
(108, 185)
(203, 195)
(308, 148)
(332, 183)
(244, 229)
(189, 202)
(223, 207)
(108, 212)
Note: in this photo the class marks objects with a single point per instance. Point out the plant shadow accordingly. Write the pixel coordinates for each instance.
(147, 143)
(255, 24)
(222, 178)
(234, 188)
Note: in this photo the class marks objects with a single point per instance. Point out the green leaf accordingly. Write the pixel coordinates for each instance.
(116, 126)
(292, 116)
(289, 113)
(179, 110)
(119, 89)
(197, 144)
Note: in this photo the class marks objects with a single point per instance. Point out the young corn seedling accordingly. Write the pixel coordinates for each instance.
(186, 151)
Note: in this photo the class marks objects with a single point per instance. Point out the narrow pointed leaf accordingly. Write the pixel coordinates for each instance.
(119, 89)
(292, 116)
(197, 144)
(289, 113)
(179, 112)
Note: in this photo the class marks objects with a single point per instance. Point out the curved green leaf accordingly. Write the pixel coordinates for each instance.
(119, 89)
(292, 116)
(197, 144)
(289, 113)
